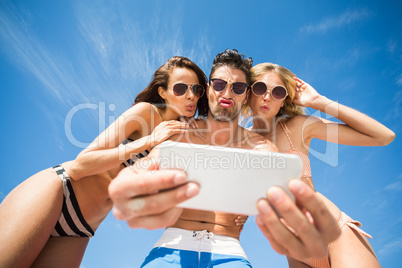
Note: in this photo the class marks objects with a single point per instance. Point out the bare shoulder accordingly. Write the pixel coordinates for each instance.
(140, 108)
(143, 110)
(301, 127)
(295, 120)
(300, 121)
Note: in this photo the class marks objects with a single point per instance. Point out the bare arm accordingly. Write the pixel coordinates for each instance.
(106, 151)
(359, 129)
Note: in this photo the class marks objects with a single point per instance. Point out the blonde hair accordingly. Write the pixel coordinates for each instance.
(289, 108)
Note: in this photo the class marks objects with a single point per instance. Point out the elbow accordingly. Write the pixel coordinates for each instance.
(390, 137)
(387, 138)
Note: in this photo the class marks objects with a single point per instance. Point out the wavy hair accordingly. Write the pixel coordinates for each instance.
(289, 108)
(235, 60)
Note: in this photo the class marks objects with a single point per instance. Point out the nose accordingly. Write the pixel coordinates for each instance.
(226, 93)
(267, 96)
(190, 94)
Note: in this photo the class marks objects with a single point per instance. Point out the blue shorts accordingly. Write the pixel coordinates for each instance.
(167, 257)
(184, 248)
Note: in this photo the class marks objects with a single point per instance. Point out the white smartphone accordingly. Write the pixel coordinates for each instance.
(231, 180)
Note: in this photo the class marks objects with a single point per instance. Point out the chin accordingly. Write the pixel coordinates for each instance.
(189, 114)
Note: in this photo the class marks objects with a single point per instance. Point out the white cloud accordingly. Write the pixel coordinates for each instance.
(23, 49)
(395, 186)
(399, 80)
(350, 57)
(346, 18)
(391, 248)
(395, 113)
(30, 54)
(392, 46)
(114, 56)
(127, 52)
(113, 60)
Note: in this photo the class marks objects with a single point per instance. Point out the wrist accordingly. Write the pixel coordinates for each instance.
(320, 103)
(151, 143)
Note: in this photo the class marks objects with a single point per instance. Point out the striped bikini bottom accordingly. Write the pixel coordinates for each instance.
(71, 222)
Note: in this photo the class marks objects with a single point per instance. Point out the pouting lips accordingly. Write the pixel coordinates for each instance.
(191, 106)
(225, 103)
(265, 107)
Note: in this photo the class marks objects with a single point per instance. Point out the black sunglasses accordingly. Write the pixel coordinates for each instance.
(277, 93)
(180, 89)
(238, 88)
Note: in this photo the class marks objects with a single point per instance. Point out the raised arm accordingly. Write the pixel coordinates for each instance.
(106, 151)
(358, 128)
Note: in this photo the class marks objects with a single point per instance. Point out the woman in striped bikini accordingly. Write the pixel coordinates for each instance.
(276, 105)
(48, 219)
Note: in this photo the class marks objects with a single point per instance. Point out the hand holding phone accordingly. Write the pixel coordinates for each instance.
(231, 180)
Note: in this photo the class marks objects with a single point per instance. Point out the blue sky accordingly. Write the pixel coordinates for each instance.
(68, 68)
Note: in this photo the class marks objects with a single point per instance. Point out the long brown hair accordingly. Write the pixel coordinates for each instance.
(161, 79)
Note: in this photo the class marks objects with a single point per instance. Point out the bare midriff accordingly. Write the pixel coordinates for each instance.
(216, 222)
(92, 194)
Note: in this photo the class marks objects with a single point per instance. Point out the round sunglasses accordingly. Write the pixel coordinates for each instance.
(238, 88)
(277, 93)
(180, 89)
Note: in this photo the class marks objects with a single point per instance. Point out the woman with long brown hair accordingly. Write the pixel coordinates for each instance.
(49, 218)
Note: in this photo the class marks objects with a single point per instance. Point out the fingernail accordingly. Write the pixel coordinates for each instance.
(297, 186)
(180, 178)
(263, 207)
(275, 194)
(192, 189)
(136, 204)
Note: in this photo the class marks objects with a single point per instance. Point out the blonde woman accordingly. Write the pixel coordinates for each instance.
(276, 105)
